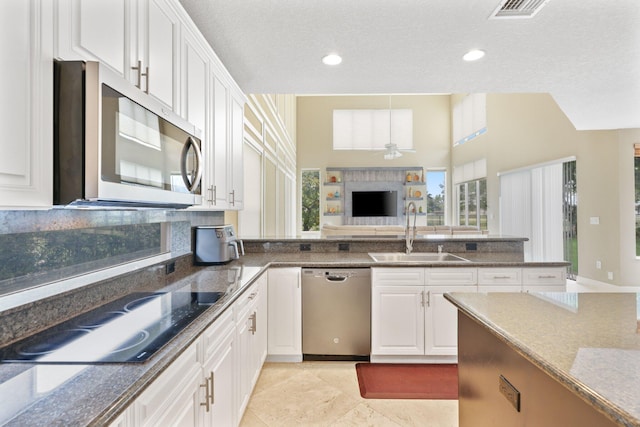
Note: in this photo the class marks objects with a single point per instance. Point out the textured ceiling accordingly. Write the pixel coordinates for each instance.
(585, 53)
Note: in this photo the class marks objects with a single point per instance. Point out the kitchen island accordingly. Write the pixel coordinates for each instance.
(541, 359)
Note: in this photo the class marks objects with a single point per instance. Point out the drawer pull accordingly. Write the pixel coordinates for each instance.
(502, 277)
(548, 276)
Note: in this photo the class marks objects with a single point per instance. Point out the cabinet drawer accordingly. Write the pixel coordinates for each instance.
(499, 276)
(397, 276)
(215, 334)
(451, 276)
(544, 276)
(151, 405)
(248, 297)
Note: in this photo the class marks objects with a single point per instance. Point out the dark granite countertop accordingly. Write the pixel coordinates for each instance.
(97, 394)
(589, 342)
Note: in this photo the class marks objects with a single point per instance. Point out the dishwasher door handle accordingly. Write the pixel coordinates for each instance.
(336, 278)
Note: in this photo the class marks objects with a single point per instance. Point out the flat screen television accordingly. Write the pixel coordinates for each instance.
(374, 203)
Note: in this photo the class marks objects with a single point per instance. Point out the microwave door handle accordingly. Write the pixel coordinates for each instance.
(191, 184)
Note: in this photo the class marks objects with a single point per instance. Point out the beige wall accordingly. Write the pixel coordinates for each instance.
(529, 129)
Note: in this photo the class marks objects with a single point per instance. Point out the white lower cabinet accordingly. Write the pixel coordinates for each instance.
(251, 327)
(219, 371)
(410, 318)
(211, 382)
(285, 315)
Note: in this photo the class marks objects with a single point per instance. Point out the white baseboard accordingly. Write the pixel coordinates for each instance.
(284, 358)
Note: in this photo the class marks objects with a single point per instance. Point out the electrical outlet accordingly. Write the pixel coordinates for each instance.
(610, 275)
(170, 268)
(471, 246)
(343, 246)
(594, 220)
(598, 265)
(305, 246)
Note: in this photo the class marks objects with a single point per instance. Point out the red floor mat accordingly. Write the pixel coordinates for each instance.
(407, 381)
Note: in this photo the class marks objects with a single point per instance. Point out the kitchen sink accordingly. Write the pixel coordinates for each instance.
(416, 257)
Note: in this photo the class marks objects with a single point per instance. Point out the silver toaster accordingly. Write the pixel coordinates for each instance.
(215, 244)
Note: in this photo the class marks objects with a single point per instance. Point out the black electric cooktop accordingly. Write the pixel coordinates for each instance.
(130, 329)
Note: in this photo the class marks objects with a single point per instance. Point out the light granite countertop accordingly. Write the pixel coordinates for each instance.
(588, 342)
(45, 395)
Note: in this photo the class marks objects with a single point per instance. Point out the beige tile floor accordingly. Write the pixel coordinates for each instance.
(327, 394)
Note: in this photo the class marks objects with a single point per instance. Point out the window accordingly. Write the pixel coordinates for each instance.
(372, 129)
(310, 204)
(469, 118)
(472, 203)
(435, 197)
(540, 203)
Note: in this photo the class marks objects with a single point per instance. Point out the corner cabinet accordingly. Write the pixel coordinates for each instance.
(26, 163)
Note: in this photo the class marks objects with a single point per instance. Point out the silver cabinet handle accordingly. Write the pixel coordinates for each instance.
(138, 68)
(212, 397)
(233, 197)
(428, 298)
(254, 323)
(501, 277)
(215, 194)
(210, 195)
(546, 277)
(207, 398)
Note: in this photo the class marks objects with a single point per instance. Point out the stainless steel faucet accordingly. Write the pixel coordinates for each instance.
(409, 240)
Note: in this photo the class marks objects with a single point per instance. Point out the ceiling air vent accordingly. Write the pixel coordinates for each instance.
(518, 9)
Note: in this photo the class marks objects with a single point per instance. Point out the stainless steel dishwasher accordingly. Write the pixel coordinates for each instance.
(336, 314)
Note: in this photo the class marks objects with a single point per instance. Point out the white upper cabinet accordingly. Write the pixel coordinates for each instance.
(220, 140)
(236, 162)
(94, 30)
(155, 45)
(26, 109)
(138, 39)
(155, 57)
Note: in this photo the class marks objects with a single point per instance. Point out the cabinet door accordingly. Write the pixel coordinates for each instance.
(157, 49)
(441, 321)
(195, 103)
(220, 371)
(397, 320)
(220, 142)
(94, 30)
(260, 337)
(26, 108)
(236, 154)
(244, 326)
(284, 314)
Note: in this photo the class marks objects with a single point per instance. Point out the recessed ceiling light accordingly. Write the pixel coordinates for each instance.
(473, 55)
(332, 59)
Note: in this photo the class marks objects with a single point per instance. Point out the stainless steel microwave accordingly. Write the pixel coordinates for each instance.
(116, 146)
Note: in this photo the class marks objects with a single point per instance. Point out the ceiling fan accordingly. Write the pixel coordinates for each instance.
(393, 152)
(391, 149)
